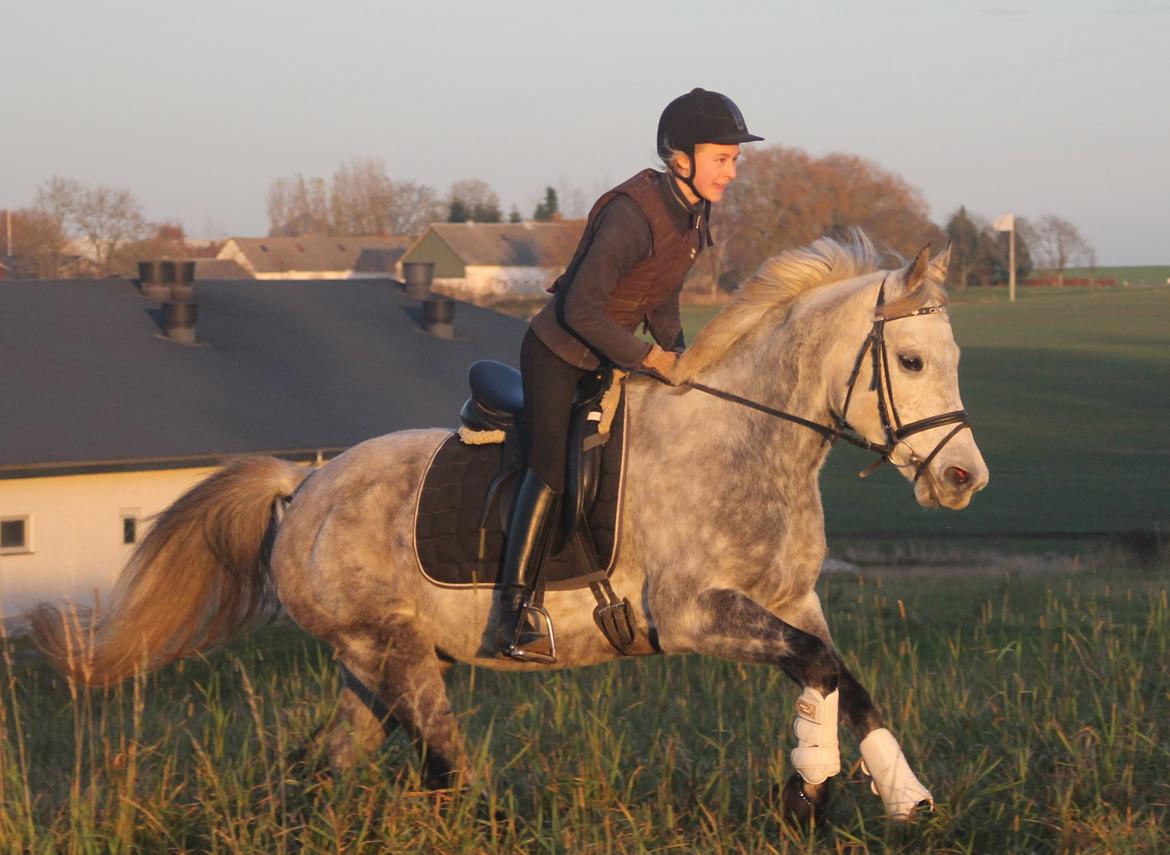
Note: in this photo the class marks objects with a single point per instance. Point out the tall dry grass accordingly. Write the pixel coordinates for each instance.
(1034, 705)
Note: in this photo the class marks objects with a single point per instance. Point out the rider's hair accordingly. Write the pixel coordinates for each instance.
(671, 156)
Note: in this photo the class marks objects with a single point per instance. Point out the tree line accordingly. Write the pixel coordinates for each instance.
(783, 197)
(76, 230)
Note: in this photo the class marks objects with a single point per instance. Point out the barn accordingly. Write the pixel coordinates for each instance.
(111, 411)
(489, 262)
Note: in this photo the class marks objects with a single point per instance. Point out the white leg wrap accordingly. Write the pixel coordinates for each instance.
(882, 759)
(817, 755)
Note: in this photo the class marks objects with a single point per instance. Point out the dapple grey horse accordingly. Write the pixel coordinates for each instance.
(721, 542)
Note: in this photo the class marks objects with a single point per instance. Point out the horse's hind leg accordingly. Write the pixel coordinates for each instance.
(360, 724)
(399, 667)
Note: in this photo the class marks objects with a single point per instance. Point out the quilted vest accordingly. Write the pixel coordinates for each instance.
(643, 289)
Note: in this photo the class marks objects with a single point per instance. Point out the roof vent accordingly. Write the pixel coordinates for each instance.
(162, 280)
(172, 282)
(438, 313)
(179, 319)
(155, 278)
(418, 275)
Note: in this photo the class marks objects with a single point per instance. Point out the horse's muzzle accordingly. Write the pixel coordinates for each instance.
(951, 484)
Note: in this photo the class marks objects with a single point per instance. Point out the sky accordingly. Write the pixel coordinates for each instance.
(197, 107)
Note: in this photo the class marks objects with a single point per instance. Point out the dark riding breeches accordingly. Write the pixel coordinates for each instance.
(549, 385)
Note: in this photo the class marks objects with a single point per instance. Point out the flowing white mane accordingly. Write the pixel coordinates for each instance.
(768, 295)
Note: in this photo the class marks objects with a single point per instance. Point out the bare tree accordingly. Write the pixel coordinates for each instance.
(361, 199)
(298, 206)
(38, 242)
(1057, 244)
(414, 207)
(105, 217)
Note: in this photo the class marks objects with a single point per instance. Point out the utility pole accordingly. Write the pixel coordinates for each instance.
(1007, 223)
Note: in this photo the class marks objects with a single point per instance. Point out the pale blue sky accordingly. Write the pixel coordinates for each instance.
(1032, 107)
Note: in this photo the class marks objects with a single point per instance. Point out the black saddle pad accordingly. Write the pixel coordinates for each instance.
(446, 527)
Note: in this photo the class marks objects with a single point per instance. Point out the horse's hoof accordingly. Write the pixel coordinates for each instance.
(801, 809)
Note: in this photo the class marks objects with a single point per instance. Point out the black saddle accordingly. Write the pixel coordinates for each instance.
(497, 403)
(461, 518)
(497, 397)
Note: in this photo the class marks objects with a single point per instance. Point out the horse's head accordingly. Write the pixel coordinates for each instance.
(905, 386)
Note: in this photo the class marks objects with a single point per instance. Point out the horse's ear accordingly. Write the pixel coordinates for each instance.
(916, 272)
(940, 263)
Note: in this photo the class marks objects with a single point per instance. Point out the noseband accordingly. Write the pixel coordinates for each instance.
(894, 431)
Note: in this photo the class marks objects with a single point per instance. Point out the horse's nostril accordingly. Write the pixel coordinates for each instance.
(958, 476)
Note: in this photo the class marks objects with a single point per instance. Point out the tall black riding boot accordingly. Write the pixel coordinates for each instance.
(524, 634)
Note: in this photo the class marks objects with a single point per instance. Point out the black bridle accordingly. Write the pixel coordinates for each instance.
(893, 429)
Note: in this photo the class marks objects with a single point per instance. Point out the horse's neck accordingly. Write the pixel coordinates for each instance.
(791, 368)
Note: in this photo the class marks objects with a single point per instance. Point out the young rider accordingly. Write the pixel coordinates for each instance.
(640, 240)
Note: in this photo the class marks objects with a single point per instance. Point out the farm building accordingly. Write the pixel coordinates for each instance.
(108, 418)
(487, 262)
(316, 256)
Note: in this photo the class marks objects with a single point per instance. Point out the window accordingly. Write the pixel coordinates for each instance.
(128, 521)
(14, 535)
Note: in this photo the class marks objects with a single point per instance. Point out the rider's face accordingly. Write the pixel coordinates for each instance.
(714, 170)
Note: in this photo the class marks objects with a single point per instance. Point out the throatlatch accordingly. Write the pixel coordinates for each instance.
(900, 790)
(817, 755)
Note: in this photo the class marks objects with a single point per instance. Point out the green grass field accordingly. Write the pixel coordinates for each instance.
(1035, 707)
(1069, 393)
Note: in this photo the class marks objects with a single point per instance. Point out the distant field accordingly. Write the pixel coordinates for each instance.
(1156, 274)
(1069, 392)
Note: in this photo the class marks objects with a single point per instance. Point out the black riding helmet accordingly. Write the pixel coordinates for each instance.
(700, 116)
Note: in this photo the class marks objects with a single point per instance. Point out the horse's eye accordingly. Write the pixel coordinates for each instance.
(911, 363)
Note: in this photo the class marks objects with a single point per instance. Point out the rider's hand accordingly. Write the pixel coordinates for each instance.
(660, 360)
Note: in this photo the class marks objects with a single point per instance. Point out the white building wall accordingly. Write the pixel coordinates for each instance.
(309, 274)
(486, 285)
(509, 282)
(75, 531)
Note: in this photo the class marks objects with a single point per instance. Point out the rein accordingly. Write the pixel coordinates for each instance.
(892, 427)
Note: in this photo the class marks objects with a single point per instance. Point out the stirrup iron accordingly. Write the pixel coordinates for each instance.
(540, 619)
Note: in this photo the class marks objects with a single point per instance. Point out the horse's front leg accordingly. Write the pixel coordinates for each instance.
(892, 779)
(728, 624)
(882, 759)
(900, 790)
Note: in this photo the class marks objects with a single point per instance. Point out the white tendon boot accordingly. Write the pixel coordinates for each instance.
(882, 759)
(817, 755)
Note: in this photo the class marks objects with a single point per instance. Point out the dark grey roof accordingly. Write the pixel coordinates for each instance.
(312, 253)
(89, 379)
(512, 244)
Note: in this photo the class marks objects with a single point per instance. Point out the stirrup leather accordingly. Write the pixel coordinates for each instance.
(540, 619)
